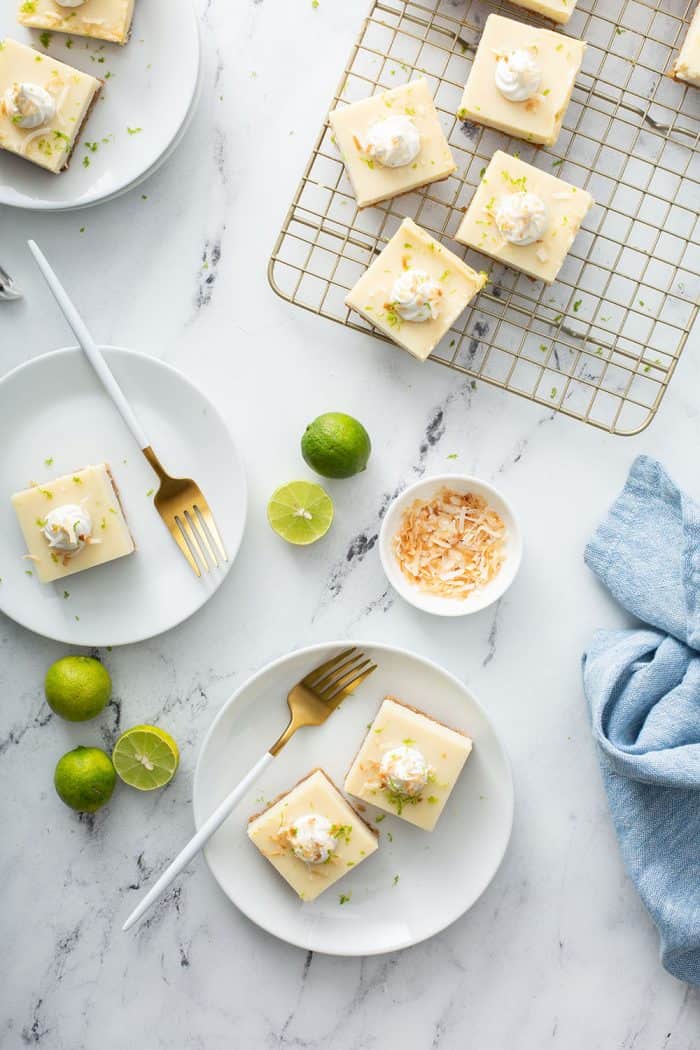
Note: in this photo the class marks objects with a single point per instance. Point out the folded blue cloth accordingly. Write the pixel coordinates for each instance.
(643, 688)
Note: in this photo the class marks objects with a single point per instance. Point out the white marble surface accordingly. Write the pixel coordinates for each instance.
(559, 950)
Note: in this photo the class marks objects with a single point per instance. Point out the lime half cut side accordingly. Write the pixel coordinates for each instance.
(146, 757)
(300, 512)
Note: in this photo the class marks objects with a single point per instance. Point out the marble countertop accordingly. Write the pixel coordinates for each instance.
(559, 950)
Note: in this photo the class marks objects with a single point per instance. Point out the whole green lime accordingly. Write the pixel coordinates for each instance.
(336, 445)
(77, 687)
(85, 779)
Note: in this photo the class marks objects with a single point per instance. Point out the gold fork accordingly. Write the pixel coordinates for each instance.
(179, 501)
(310, 703)
(182, 506)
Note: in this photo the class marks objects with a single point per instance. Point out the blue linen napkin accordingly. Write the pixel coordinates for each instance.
(643, 688)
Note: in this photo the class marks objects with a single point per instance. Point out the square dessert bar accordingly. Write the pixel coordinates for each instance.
(408, 764)
(312, 835)
(521, 80)
(102, 19)
(686, 67)
(43, 105)
(73, 523)
(524, 217)
(392, 143)
(415, 290)
(557, 10)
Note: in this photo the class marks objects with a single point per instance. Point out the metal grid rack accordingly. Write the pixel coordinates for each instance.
(600, 344)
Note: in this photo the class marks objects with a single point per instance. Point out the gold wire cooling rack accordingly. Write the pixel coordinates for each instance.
(602, 343)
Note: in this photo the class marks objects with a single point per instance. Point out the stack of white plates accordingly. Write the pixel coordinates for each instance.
(149, 96)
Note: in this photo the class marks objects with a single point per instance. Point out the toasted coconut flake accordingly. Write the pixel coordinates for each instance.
(451, 545)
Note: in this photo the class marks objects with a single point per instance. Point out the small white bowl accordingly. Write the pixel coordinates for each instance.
(433, 603)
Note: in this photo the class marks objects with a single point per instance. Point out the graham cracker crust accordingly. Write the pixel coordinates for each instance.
(117, 494)
(80, 130)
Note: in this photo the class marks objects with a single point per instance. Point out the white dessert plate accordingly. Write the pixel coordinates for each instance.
(55, 409)
(440, 874)
(143, 110)
(426, 489)
(162, 159)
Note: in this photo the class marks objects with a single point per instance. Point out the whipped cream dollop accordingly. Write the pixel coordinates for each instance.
(415, 296)
(522, 218)
(29, 105)
(312, 838)
(393, 142)
(69, 3)
(404, 771)
(68, 528)
(518, 76)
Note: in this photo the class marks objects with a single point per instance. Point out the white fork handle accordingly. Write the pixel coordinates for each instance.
(198, 841)
(89, 346)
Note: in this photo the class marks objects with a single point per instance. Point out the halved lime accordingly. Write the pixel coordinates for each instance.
(146, 757)
(300, 512)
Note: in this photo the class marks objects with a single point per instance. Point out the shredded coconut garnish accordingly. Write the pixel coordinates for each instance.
(451, 545)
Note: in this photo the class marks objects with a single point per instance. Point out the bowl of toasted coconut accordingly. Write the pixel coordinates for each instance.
(450, 545)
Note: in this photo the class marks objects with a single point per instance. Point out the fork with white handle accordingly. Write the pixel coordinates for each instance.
(310, 703)
(179, 501)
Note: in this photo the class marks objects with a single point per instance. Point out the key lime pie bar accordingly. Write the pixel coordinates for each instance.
(101, 19)
(73, 523)
(521, 80)
(524, 217)
(408, 764)
(557, 10)
(312, 835)
(43, 105)
(687, 65)
(415, 290)
(392, 143)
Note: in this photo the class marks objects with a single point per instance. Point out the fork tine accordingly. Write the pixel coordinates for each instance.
(338, 684)
(318, 672)
(201, 534)
(351, 686)
(203, 507)
(351, 664)
(179, 538)
(193, 539)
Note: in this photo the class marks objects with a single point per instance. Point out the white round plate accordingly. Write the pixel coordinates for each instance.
(54, 408)
(152, 86)
(162, 159)
(441, 873)
(426, 489)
